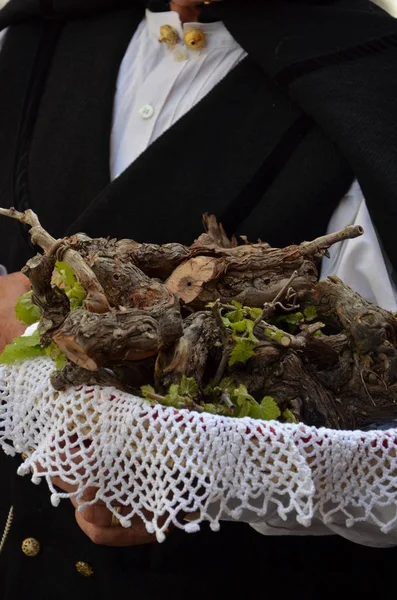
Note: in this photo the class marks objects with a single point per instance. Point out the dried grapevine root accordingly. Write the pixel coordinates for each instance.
(231, 329)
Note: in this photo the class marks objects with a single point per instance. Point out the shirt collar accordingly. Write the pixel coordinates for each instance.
(216, 34)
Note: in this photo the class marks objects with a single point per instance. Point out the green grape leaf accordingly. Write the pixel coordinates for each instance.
(227, 384)
(242, 352)
(54, 352)
(22, 348)
(226, 322)
(61, 361)
(210, 408)
(235, 315)
(173, 392)
(241, 395)
(76, 296)
(63, 276)
(293, 318)
(170, 401)
(26, 311)
(310, 313)
(270, 408)
(188, 387)
(146, 390)
(243, 410)
(289, 417)
(254, 313)
(238, 305)
(250, 329)
(65, 279)
(276, 336)
(257, 412)
(239, 326)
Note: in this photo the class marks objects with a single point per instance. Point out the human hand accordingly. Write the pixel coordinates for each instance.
(11, 288)
(97, 521)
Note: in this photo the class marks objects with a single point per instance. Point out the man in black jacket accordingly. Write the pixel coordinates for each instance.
(306, 106)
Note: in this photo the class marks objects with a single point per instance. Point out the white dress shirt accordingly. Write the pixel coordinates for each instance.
(156, 87)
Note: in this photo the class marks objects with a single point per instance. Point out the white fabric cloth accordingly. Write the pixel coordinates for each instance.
(282, 479)
(360, 262)
(390, 6)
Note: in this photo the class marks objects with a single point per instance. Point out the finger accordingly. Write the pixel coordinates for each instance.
(63, 485)
(135, 535)
(97, 514)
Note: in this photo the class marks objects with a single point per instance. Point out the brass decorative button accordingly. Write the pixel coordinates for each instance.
(84, 569)
(30, 547)
(194, 39)
(168, 36)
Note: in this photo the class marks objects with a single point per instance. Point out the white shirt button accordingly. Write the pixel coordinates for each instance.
(146, 111)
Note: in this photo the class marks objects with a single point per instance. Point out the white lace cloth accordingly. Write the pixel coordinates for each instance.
(162, 463)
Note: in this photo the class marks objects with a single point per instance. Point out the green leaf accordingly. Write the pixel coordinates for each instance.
(210, 408)
(250, 329)
(54, 352)
(254, 313)
(22, 348)
(239, 326)
(173, 392)
(294, 318)
(310, 313)
(227, 384)
(289, 417)
(26, 311)
(276, 336)
(64, 276)
(65, 279)
(188, 387)
(242, 352)
(226, 322)
(257, 412)
(146, 390)
(270, 408)
(238, 305)
(241, 394)
(235, 315)
(76, 296)
(61, 361)
(170, 401)
(243, 410)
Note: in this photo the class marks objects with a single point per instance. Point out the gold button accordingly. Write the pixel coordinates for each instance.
(168, 36)
(194, 39)
(30, 547)
(84, 569)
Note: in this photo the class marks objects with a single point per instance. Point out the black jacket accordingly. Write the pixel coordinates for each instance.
(271, 150)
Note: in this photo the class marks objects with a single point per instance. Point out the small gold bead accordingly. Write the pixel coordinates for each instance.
(168, 36)
(84, 569)
(30, 547)
(24, 456)
(194, 39)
